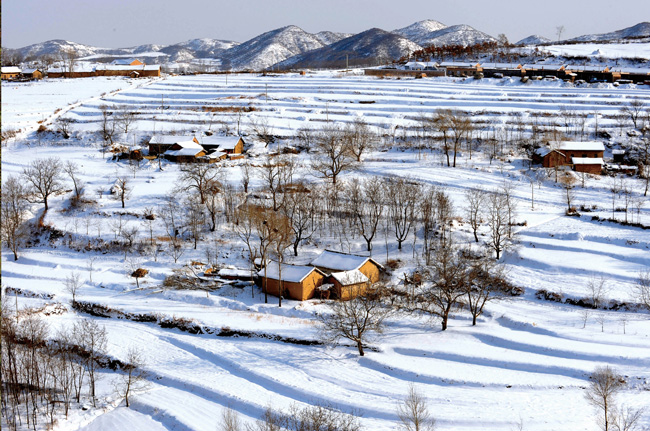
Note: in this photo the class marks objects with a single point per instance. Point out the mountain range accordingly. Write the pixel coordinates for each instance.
(291, 46)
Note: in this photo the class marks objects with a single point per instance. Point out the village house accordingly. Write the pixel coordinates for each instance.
(291, 281)
(134, 71)
(158, 144)
(332, 261)
(184, 152)
(581, 156)
(10, 72)
(32, 74)
(502, 69)
(224, 144)
(455, 68)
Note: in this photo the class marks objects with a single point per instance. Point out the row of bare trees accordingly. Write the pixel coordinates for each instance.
(42, 377)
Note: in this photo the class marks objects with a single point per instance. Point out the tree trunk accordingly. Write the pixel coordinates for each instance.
(473, 319)
(360, 347)
(475, 236)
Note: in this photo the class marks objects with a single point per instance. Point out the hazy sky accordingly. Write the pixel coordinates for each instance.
(124, 23)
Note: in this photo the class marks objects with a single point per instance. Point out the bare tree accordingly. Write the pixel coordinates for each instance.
(461, 128)
(485, 282)
(123, 188)
(213, 202)
(568, 182)
(333, 155)
(300, 209)
(559, 31)
(171, 215)
(92, 339)
(199, 177)
(360, 138)
(72, 170)
(356, 319)
(634, 110)
(230, 420)
(126, 118)
(245, 176)
(107, 127)
(195, 218)
(262, 129)
(605, 383)
(597, 288)
(274, 174)
(475, 199)
(64, 126)
(366, 200)
(413, 412)
(134, 376)
(68, 57)
(403, 196)
(497, 217)
(43, 177)
(13, 212)
(72, 284)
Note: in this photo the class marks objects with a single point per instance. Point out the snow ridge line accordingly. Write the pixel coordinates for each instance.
(183, 324)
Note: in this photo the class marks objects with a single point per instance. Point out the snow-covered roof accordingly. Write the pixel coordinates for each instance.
(10, 69)
(543, 151)
(501, 65)
(123, 61)
(215, 155)
(346, 278)
(587, 161)
(616, 152)
(184, 152)
(579, 146)
(584, 68)
(340, 261)
(223, 142)
(233, 272)
(170, 139)
(136, 67)
(30, 71)
(633, 70)
(542, 66)
(189, 144)
(457, 64)
(290, 273)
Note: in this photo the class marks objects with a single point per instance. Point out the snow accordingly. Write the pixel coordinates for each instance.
(10, 69)
(526, 358)
(171, 139)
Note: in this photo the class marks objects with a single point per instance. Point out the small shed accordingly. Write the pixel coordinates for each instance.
(292, 281)
(588, 165)
(348, 284)
(618, 155)
(332, 261)
(213, 157)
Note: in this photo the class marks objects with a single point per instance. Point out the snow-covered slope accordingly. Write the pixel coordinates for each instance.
(534, 39)
(270, 48)
(641, 29)
(419, 32)
(455, 35)
(370, 44)
(328, 37)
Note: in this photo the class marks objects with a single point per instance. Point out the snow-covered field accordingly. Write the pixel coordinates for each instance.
(527, 360)
(606, 50)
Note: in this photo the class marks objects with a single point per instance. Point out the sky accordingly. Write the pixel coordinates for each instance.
(125, 23)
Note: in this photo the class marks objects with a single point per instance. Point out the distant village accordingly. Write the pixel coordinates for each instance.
(130, 67)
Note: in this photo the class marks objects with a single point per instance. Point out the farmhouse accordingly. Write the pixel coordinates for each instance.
(10, 72)
(331, 262)
(582, 156)
(292, 281)
(224, 144)
(454, 68)
(158, 144)
(184, 152)
(134, 71)
(505, 69)
(32, 74)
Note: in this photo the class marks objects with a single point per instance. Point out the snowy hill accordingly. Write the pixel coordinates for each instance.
(370, 44)
(534, 39)
(455, 35)
(639, 30)
(419, 32)
(271, 47)
(329, 37)
(56, 46)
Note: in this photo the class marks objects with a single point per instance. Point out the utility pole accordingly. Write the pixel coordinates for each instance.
(346, 62)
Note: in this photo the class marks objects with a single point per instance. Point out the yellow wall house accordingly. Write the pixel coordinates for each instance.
(294, 281)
